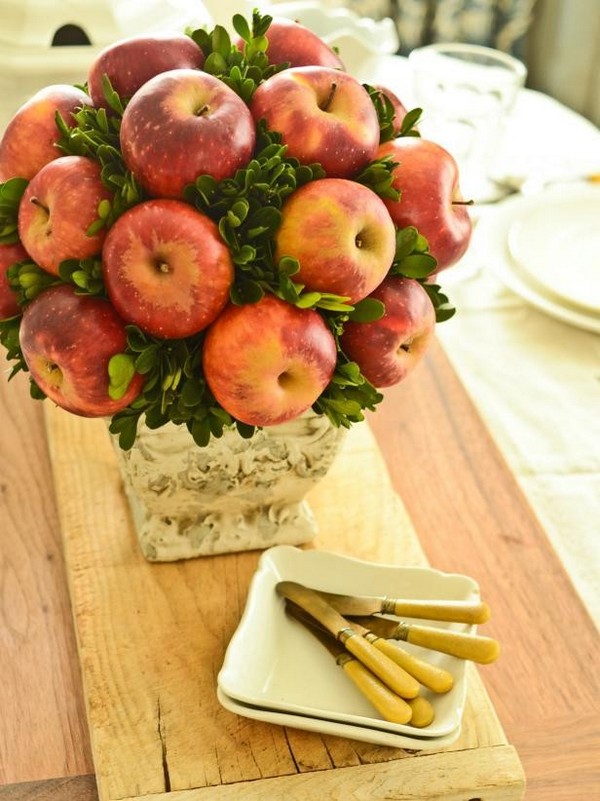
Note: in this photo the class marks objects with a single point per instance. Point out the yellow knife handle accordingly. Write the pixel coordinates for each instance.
(451, 611)
(422, 712)
(465, 646)
(411, 685)
(389, 705)
(381, 665)
(434, 678)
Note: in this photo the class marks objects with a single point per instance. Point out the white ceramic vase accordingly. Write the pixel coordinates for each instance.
(234, 494)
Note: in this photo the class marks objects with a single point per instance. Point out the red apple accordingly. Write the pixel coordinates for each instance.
(427, 177)
(323, 115)
(389, 348)
(9, 255)
(130, 62)
(67, 342)
(166, 268)
(182, 124)
(56, 210)
(341, 233)
(400, 109)
(268, 362)
(29, 141)
(291, 42)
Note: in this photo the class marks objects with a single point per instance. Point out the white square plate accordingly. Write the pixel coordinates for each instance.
(350, 731)
(273, 663)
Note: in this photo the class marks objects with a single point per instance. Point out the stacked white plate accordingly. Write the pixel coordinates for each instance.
(276, 671)
(546, 248)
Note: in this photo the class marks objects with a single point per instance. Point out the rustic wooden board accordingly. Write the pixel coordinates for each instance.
(151, 640)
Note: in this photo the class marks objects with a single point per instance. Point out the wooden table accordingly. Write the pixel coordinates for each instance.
(470, 517)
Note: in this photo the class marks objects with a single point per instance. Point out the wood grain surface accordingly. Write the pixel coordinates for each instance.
(470, 516)
(152, 639)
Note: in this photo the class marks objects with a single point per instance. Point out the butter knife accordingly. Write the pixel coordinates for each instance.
(381, 665)
(390, 706)
(473, 647)
(431, 676)
(472, 612)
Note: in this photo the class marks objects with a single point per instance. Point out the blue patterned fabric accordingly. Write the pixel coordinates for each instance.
(501, 24)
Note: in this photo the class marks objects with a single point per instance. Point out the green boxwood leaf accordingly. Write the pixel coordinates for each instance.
(417, 265)
(215, 64)
(221, 43)
(406, 239)
(147, 359)
(410, 120)
(243, 292)
(121, 370)
(308, 300)
(241, 27)
(367, 311)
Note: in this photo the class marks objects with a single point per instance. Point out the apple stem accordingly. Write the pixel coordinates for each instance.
(163, 267)
(330, 97)
(40, 205)
(463, 202)
(203, 110)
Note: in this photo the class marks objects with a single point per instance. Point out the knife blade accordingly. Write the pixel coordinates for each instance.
(431, 676)
(380, 664)
(389, 705)
(472, 612)
(473, 647)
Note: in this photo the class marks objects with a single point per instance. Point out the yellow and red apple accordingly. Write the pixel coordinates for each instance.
(427, 177)
(182, 124)
(388, 349)
(130, 63)
(341, 234)
(268, 362)
(30, 139)
(295, 44)
(67, 342)
(166, 268)
(323, 115)
(56, 210)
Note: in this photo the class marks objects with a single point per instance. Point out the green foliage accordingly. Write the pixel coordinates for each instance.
(386, 114)
(95, 134)
(347, 396)
(27, 280)
(85, 274)
(378, 176)
(9, 338)
(410, 122)
(11, 193)
(241, 69)
(174, 389)
(413, 260)
(247, 209)
(121, 370)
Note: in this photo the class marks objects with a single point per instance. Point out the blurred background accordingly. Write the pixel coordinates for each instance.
(42, 41)
(559, 40)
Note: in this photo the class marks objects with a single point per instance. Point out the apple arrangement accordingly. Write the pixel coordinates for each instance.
(222, 234)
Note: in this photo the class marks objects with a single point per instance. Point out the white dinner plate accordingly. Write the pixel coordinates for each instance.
(556, 241)
(352, 732)
(273, 662)
(559, 276)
